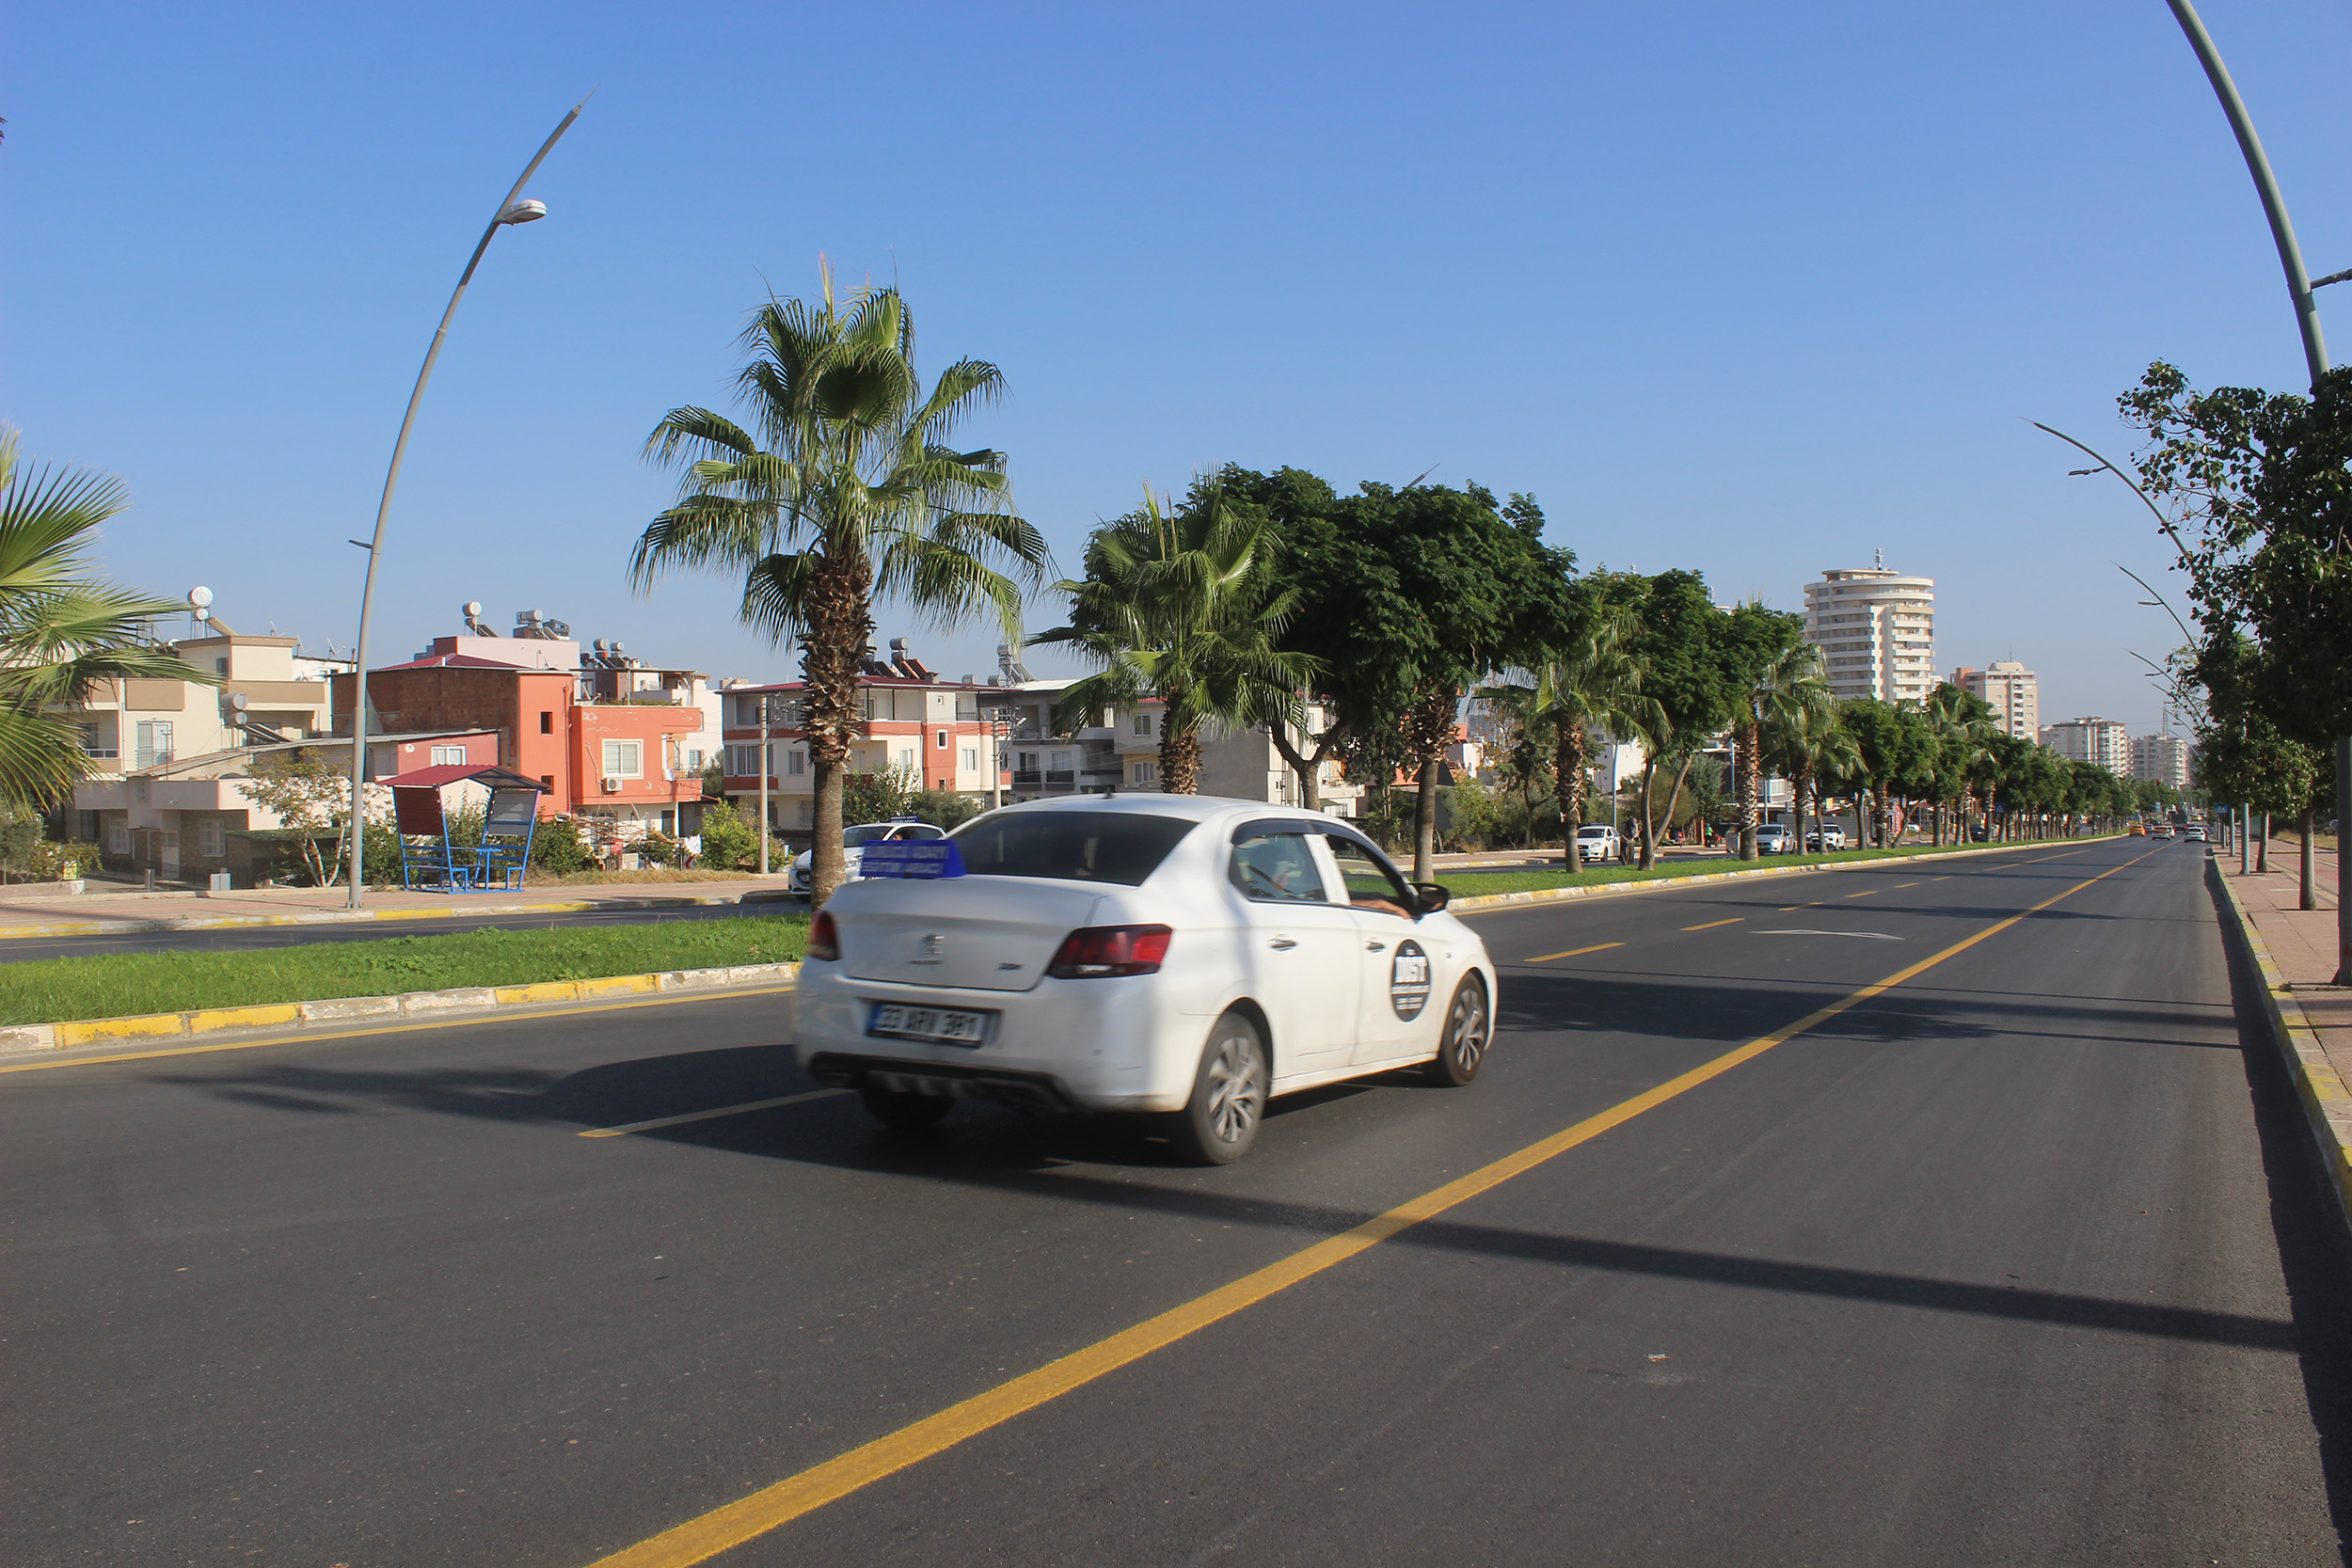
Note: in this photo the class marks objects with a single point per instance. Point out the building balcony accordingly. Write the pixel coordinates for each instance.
(1060, 775)
(1029, 776)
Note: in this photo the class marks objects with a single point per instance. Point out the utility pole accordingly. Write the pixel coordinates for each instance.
(2299, 294)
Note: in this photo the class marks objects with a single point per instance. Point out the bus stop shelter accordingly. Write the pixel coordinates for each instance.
(421, 814)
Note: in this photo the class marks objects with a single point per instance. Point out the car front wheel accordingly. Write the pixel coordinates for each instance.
(1468, 1028)
(1229, 1096)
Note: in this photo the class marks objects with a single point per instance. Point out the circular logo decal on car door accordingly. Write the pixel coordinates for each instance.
(1408, 980)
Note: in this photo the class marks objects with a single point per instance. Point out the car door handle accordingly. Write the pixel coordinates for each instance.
(1281, 944)
(1375, 947)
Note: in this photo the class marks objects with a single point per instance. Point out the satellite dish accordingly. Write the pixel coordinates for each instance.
(200, 597)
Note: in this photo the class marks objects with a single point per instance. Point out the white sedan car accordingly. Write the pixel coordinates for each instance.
(853, 842)
(1163, 953)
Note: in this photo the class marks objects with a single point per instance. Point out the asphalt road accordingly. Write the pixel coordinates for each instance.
(2020, 1261)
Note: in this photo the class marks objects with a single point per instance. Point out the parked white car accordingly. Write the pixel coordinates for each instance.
(1826, 837)
(1595, 841)
(853, 841)
(1182, 955)
(1774, 838)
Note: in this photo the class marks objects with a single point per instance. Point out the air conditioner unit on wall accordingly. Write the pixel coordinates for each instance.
(612, 785)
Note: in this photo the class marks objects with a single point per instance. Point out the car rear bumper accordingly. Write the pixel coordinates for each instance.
(952, 1080)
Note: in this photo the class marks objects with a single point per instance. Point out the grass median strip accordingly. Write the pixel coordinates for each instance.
(1469, 883)
(112, 985)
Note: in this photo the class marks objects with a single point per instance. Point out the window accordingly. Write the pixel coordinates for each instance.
(1028, 761)
(1143, 724)
(208, 837)
(943, 740)
(1372, 883)
(624, 759)
(1120, 847)
(548, 780)
(449, 757)
(1061, 762)
(117, 841)
(88, 823)
(694, 763)
(795, 762)
(971, 759)
(1146, 772)
(907, 758)
(1278, 868)
(155, 742)
(220, 667)
(547, 723)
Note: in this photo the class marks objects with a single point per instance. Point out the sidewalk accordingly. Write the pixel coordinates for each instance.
(2296, 950)
(31, 915)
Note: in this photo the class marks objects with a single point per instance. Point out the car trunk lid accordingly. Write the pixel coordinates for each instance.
(984, 933)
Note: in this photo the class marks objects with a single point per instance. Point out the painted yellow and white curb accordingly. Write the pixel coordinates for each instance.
(415, 1003)
(2327, 1102)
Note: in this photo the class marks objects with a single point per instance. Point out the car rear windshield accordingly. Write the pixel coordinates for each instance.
(1122, 846)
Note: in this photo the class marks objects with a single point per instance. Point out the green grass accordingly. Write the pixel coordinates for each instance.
(1469, 884)
(115, 984)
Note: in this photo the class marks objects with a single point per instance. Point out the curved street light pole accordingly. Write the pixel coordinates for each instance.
(2314, 355)
(512, 210)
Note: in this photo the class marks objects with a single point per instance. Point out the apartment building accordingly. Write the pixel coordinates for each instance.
(2012, 691)
(914, 720)
(1876, 630)
(2163, 756)
(2106, 742)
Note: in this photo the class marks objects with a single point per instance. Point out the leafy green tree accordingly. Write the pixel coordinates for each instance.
(1590, 681)
(1807, 744)
(879, 796)
(1960, 727)
(845, 489)
(1183, 606)
(62, 630)
(728, 841)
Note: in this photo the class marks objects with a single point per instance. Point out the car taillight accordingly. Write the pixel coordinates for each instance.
(824, 940)
(1097, 952)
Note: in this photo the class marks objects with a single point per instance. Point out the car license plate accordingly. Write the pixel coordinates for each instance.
(941, 1026)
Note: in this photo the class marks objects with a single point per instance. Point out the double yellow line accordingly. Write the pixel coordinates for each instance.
(747, 1518)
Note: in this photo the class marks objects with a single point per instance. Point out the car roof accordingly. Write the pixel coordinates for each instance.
(1196, 808)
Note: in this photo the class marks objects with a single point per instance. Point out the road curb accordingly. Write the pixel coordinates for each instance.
(25, 1040)
(2327, 1103)
(346, 917)
(1478, 901)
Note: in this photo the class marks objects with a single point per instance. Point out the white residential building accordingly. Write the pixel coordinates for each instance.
(2104, 742)
(2013, 692)
(2162, 757)
(1876, 631)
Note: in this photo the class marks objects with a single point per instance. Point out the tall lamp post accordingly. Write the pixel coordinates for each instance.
(514, 209)
(2300, 292)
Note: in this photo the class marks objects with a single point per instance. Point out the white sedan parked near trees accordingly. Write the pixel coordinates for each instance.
(1176, 954)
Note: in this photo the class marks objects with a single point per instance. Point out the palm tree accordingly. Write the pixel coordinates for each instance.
(1961, 740)
(1184, 606)
(1786, 682)
(1592, 684)
(1809, 745)
(844, 490)
(62, 632)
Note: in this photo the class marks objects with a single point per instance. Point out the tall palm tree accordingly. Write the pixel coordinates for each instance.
(1592, 684)
(1809, 745)
(1962, 740)
(1183, 606)
(1785, 683)
(62, 632)
(843, 490)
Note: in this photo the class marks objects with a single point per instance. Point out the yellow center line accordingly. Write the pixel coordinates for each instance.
(1713, 924)
(1864, 893)
(732, 1524)
(1899, 886)
(500, 1015)
(707, 1116)
(1573, 951)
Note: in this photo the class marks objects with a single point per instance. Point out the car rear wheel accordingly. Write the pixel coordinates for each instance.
(1229, 1096)
(1467, 1024)
(904, 1109)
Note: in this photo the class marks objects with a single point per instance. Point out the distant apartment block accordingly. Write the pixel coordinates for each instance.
(2163, 757)
(2104, 742)
(1876, 630)
(2013, 692)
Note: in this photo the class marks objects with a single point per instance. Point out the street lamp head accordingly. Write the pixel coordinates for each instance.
(524, 211)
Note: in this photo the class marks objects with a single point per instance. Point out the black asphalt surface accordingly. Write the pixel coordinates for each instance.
(2024, 1262)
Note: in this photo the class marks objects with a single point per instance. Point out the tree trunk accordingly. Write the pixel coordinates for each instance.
(1674, 798)
(1750, 734)
(1429, 727)
(1880, 813)
(1648, 856)
(1425, 823)
(1567, 782)
(1180, 758)
(2262, 846)
(840, 627)
(1307, 767)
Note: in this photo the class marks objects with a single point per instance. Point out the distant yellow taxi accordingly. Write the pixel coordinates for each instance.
(2139, 830)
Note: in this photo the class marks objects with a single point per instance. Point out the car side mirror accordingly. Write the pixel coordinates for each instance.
(1428, 898)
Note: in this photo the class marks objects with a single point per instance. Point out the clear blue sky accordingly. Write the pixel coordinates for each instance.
(1755, 290)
